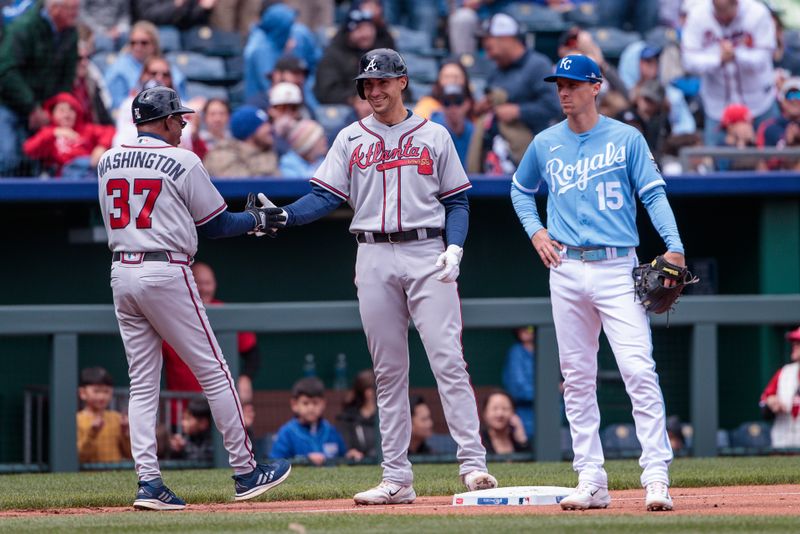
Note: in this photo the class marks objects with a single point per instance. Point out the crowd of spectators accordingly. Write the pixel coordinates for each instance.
(678, 70)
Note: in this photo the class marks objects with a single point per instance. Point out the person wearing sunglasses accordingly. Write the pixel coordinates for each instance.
(454, 115)
(783, 131)
(122, 77)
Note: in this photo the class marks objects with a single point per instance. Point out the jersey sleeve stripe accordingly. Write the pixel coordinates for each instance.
(521, 187)
(458, 189)
(211, 215)
(651, 185)
(330, 188)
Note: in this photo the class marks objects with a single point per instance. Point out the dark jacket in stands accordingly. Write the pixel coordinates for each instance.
(164, 13)
(339, 65)
(358, 431)
(34, 64)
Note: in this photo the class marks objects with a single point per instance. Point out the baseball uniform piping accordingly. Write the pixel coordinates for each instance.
(330, 188)
(222, 367)
(400, 172)
(456, 190)
(383, 145)
(211, 215)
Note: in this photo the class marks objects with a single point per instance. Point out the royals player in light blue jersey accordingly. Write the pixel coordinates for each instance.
(594, 168)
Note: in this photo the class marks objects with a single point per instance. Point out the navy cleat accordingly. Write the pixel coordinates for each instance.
(154, 495)
(261, 479)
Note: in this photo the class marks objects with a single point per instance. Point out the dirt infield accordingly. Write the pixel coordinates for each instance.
(735, 500)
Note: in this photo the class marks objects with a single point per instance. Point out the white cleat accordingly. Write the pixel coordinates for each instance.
(585, 496)
(478, 480)
(386, 493)
(658, 499)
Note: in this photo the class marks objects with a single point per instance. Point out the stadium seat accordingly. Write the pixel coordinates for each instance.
(334, 117)
(408, 40)
(751, 435)
(199, 89)
(584, 15)
(477, 65)
(442, 444)
(169, 38)
(723, 439)
(612, 41)
(620, 440)
(236, 94)
(103, 60)
(199, 68)
(421, 69)
(234, 66)
(418, 90)
(324, 35)
(212, 42)
(536, 18)
(661, 36)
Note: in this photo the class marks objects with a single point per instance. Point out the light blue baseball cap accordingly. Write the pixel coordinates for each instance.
(576, 67)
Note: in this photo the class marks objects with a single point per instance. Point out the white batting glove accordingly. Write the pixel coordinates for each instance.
(448, 262)
(267, 203)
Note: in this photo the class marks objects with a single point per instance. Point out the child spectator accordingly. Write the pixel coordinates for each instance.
(68, 146)
(308, 149)
(737, 123)
(358, 421)
(503, 431)
(102, 433)
(194, 443)
(421, 426)
(308, 434)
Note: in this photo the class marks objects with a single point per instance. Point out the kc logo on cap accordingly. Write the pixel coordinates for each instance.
(577, 67)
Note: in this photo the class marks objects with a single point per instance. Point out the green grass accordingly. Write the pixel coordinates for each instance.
(116, 488)
(153, 523)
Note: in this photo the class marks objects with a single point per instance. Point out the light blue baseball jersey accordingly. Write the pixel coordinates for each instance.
(592, 180)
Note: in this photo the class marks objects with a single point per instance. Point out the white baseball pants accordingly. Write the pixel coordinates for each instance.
(157, 300)
(585, 297)
(396, 282)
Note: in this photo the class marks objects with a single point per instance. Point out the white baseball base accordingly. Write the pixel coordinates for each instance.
(513, 496)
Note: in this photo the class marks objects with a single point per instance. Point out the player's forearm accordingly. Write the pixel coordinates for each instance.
(311, 207)
(525, 206)
(657, 205)
(456, 216)
(228, 224)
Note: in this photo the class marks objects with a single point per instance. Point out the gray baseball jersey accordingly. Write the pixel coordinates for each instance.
(395, 177)
(152, 196)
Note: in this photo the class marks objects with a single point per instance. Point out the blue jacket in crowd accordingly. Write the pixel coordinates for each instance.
(296, 439)
(518, 377)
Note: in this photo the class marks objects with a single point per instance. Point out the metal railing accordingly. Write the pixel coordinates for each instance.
(686, 154)
(64, 323)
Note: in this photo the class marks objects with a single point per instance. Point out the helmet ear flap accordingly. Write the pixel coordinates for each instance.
(360, 89)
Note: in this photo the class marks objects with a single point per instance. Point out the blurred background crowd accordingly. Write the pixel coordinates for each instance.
(272, 81)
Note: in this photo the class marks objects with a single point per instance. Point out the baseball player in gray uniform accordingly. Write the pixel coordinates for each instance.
(401, 175)
(154, 197)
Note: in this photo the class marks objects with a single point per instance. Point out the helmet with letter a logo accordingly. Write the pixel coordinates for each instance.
(379, 63)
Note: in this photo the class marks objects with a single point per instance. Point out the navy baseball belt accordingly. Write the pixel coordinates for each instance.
(139, 257)
(398, 237)
(596, 253)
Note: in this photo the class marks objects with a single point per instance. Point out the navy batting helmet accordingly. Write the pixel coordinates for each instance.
(157, 103)
(379, 63)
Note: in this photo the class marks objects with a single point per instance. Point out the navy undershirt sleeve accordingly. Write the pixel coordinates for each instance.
(312, 206)
(228, 224)
(456, 216)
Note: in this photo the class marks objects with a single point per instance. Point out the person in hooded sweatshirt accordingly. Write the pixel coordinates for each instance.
(276, 34)
(68, 146)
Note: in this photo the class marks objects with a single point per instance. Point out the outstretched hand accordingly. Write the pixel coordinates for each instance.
(268, 217)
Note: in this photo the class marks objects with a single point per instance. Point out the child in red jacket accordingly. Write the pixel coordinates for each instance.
(67, 145)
